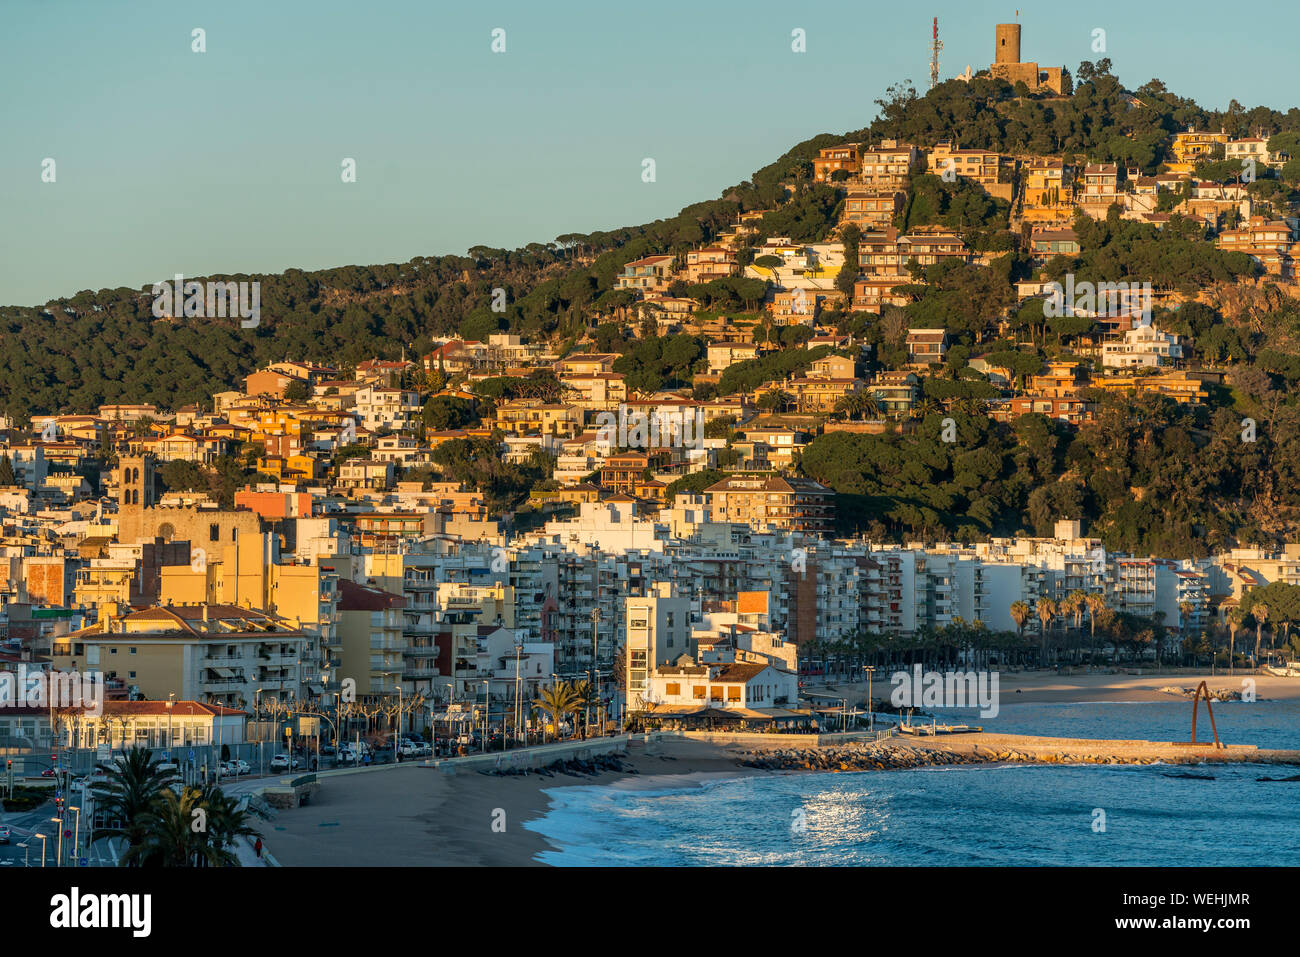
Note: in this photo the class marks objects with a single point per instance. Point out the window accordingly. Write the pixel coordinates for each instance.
(214, 532)
(715, 694)
(112, 651)
(131, 674)
(132, 651)
(733, 692)
(698, 692)
(673, 689)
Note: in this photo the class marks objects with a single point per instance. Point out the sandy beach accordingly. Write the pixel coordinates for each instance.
(416, 816)
(420, 816)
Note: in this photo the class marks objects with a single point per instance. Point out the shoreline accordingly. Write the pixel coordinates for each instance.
(419, 816)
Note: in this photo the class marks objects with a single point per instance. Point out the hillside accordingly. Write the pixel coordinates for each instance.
(1149, 474)
(92, 347)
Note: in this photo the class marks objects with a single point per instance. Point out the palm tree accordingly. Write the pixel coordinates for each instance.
(1073, 604)
(1019, 614)
(857, 405)
(585, 693)
(558, 700)
(1260, 614)
(1234, 619)
(172, 838)
(1046, 612)
(224, 819)
(136, 782)
(775, 400)
(1096, 602)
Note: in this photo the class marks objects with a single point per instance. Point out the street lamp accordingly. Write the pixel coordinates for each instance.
(871, 711)
(23, 845)
(76, 832)
(58, 855)
(595, 663)
(398, 723)
(42, 837)
(261, 732)
(518, 650)
(171, 703)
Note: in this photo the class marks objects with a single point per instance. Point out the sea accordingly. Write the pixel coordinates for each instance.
(1014, 815)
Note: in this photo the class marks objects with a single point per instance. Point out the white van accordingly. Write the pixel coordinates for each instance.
(353, 751)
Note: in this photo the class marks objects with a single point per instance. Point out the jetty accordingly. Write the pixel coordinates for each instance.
(984, 747)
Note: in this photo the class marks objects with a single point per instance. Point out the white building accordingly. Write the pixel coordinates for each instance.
(658, 631)
(732, 687)
(380, 408)
(1142, 347)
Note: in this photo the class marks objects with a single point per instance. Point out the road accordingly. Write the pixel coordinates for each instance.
(26, 824)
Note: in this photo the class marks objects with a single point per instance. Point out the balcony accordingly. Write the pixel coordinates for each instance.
(222, 661)
(226, 683)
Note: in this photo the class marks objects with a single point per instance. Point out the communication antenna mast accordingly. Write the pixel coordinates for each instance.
(935, 47)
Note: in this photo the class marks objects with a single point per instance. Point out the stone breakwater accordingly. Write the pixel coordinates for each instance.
(974, 749)
(903, 757)
(1220, 694)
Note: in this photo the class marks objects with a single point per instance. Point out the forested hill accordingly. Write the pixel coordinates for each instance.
(73, 354)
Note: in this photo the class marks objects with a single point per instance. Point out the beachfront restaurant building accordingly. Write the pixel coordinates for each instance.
(727, 695)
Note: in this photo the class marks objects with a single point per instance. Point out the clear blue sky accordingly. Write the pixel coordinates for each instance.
(172, 161)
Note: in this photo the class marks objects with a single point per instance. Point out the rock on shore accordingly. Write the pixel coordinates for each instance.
(1221, 694)
(891, 757)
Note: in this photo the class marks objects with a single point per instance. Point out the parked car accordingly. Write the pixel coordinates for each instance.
(5, 834)
(240, 766)
(353, 751)
(284, 762)
(97, 777)
(48, 773)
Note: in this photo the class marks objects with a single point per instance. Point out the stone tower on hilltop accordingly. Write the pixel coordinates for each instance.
(1007, 66)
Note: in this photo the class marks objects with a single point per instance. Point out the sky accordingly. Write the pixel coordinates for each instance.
(171, 161)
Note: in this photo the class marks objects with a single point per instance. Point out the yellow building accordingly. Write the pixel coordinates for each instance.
(1194, 146)
(820, 394)
(291, 468)
(1048, 192)
(796, 504)
(216, 653)
(531, 417)
(245, 574)
(1179, 386)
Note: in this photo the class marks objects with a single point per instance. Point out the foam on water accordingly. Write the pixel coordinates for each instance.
(998, 816)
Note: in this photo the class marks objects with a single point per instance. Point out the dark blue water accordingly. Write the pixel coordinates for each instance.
(984, 816)
(979, 815)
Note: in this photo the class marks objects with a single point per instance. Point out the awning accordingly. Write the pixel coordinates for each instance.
(223, 672)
